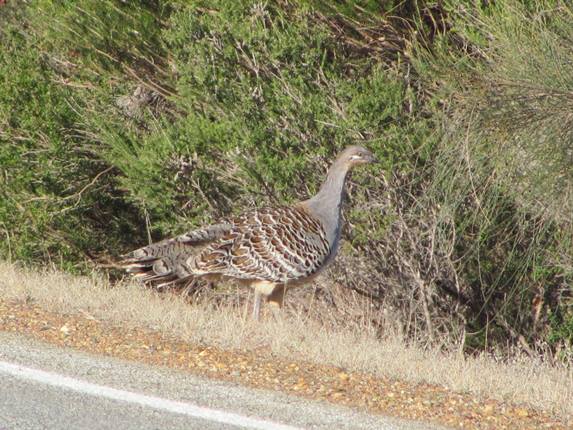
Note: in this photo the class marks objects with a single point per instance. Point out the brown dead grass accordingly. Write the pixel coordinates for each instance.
(294, 336)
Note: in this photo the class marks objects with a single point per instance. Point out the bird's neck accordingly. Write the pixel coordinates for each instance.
(327, 203)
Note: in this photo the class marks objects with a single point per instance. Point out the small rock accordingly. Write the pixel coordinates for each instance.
(521, 412)
(487, 409)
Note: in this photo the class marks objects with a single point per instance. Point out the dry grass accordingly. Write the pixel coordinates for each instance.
(522, 379)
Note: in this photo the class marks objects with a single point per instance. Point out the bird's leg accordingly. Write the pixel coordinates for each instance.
(261, 288)
(257, 306)
(277, 297)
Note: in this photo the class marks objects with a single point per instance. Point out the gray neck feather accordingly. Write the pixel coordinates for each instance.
(327, 204)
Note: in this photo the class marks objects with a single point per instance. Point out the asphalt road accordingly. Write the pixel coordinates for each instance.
(46, 387)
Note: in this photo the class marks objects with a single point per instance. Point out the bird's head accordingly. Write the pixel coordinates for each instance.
(354, 155)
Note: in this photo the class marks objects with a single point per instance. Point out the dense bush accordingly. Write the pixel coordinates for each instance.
(57, 203)
(502, 175)
(121, 121)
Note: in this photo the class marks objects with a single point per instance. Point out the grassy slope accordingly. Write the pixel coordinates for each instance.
(124, 121)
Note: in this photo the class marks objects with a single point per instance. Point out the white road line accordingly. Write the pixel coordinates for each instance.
(66, 382)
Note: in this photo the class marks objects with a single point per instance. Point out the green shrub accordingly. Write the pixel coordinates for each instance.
(263, 93)
(60, 202)
(247, 102)
(502, 173)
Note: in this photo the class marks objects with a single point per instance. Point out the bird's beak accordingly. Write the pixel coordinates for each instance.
(372, 159)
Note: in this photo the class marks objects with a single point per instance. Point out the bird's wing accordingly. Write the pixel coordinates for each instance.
(271, 244)
(165, 262)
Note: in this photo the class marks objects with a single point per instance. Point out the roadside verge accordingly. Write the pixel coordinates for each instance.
(289, 355)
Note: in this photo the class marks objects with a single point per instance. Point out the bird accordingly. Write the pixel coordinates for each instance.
(269, 249)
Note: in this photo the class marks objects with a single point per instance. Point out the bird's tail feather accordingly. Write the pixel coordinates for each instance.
(170, 261)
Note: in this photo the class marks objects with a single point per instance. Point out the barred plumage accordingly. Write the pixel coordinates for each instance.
(271, 248)
(276, 245)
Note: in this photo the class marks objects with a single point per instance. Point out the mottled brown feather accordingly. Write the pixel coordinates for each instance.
(278, 245)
